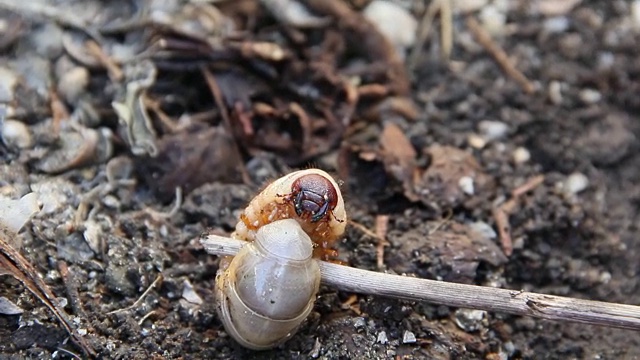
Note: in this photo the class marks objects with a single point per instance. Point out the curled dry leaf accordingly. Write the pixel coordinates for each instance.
(135, 122)
(14, 214)
(76, 147)
(399, 157)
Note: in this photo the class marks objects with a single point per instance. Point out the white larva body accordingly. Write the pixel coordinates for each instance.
(270, 287)
(265, 292)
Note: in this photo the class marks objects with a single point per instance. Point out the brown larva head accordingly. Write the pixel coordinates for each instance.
(313, 194)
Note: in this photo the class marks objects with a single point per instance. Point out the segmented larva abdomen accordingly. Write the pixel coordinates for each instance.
(310, 196)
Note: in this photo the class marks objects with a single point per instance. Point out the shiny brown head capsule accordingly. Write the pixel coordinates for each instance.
(313, 194)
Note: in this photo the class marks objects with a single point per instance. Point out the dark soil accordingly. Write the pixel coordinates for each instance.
(581, 245)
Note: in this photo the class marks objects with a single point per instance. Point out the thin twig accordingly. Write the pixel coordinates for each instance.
(141, 298)
(446, 28)
(424, 30)
(499, 55)
(501, 218)
(460, 295)
(113, 69)
(382, 225)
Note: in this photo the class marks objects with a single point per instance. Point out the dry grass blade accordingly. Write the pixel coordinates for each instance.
(11, 262)
(460, 295)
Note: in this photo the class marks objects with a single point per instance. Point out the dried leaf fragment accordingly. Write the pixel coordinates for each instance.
(14, 214)
(399, 157)
(134, 119)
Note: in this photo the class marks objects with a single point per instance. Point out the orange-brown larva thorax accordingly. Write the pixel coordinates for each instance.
(310, 197)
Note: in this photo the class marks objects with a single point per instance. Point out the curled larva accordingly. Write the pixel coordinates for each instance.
(311, 197)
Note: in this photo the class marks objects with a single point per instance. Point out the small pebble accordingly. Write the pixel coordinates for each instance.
(470, 320)
(359, 323)
(382, 338)
(408, 337)
(590, 96)
(111, 202)
(62, 301)
(48, 40)
(466, 184)
(635, 14)
(606, 60)
(7, 307)
(555, 92)
(493, 129)
(73, 83)
(521, 155)
(189, 294)
(16, 135)
(509, 347)
(518, 243)
(476, 141)
(394, 22)
(493, 19)
(576, 183)
(556, 24)
(483, 228)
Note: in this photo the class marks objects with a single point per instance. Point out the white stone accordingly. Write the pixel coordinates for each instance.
(466, 184)
(555, 92)
(590, 96)
(476, 141)
(382, 338)
(521, 155)
(394, 22)
(576, 183)
(484, 229)
(634, 14)
(73, 83)
(16, 135)
(408, 337)
(493, 20)
(189, 294)
(556, 24)
(493, 129)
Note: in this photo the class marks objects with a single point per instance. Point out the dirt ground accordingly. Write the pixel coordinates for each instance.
(467, 173)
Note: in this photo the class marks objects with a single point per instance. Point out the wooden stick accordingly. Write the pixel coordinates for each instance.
(460, 295)
(499, 55)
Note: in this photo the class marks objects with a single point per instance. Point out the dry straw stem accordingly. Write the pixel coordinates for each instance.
(460, 295)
